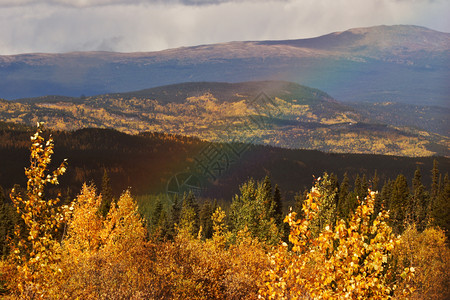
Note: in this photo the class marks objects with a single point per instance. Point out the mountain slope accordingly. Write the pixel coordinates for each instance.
(269, 112)
(147, 161)
(407, 64)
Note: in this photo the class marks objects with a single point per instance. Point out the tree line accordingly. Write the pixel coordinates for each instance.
(335, 244)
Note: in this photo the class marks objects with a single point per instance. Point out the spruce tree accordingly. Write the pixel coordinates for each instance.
(156, 216)
(107, 196)
(419, 203)
(267, 197)
(386, 192)
(327, 213)
(278, 206)
(357, 186)
(441, 210)
(163, 225)
(434, 181)
(6, 224)
(253, 210)
(399, 203)
(174, 217)
(206, 223)
(375, 181)
(189, 220)
(378, 201)
(342, 206)
(299, 200)
(361, 186)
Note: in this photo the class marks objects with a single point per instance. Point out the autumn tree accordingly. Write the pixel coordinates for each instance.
(37, 256)
(347, 261)
(104, 256)
(123, 228)
(85, 224)
(428, 253)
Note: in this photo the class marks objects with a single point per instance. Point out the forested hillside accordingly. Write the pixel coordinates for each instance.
(147, 161)
(339, 241)
(275, 113)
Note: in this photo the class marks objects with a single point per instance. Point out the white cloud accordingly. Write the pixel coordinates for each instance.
(93, 3)
(140, 25)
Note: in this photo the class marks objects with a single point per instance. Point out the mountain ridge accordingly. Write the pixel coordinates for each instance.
(415, 72)
(271, 113)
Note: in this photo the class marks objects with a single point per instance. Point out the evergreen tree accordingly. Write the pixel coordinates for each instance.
(174, 217)
(441, 210)
(206, 222)
(342, 206)
(399, 203)
(357, 186)
(243, 208)
(419, 202)
(278, 206)
(334, 186)
(434, 190)
(375, 181)
(378, 201)
(163, 225)
(189, 220)
(299, 200)
(327, 213)
(267, 198)
(267, 188)
(364, 187)
(6, 224)
(361, 186)
(107, 196)
(434, 181)
(386, 193)
(156, 216)
(253, 210)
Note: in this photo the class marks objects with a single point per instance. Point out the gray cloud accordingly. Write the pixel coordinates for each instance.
(138, 25)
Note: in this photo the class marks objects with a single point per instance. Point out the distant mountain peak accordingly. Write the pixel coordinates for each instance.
(382, 63)
(382, 37)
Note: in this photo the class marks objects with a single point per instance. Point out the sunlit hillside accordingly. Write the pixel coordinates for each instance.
(287, 115)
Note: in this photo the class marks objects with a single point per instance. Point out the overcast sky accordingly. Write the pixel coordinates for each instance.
(147, 25)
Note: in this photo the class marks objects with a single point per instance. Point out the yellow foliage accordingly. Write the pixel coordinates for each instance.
(347, 261)
(36, 257)
(104, 258)
(194, 269)
(111, 258)
(85, 224)
(427, 252)
(123, 229)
